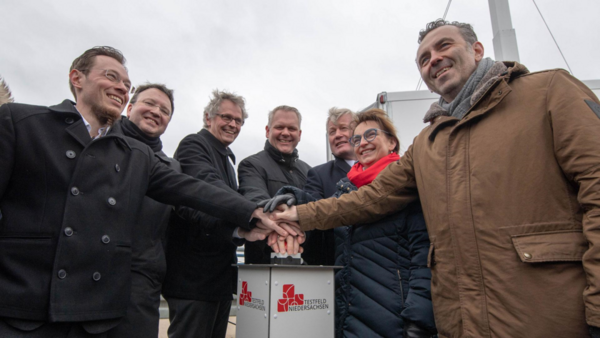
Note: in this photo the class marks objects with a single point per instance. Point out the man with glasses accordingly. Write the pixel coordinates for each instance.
(71, 189)
(278, 165)
(200, 277)
(148, 115)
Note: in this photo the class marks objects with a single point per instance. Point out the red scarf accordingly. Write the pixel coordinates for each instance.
(360, 177)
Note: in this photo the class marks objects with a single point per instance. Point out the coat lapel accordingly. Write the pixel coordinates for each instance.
(73, 121)
(341, 165)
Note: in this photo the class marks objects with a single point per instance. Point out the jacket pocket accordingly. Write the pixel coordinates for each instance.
(557, 246)
(430, 256)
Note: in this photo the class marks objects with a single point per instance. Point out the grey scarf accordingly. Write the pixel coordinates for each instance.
(482, 78)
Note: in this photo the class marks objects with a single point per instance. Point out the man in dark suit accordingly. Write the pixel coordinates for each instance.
(71, 187)
(200, 277)
(319, 248)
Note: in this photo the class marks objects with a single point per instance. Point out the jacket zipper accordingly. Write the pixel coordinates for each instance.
(401, 287)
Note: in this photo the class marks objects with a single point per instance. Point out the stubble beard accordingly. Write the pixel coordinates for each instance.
(104, 115)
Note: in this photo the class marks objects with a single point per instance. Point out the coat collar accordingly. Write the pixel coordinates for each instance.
(279, 157)
(486, 98)
(73, 119)
(216, 144)
(341, 164)
(77, 129)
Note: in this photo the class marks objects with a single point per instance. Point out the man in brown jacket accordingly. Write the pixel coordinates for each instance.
(508, 173)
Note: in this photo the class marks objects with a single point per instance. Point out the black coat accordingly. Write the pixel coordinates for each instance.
(200, 252)
(261, 175)
(319, 248)
(148, 263)
(68, 206)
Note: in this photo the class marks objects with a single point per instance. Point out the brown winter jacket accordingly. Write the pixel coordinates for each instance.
(511, 195)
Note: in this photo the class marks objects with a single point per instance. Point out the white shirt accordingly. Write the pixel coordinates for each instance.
(350, 162)
(101, 131)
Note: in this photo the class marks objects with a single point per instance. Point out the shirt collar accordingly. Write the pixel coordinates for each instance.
(220, 147)
(350, 162)
(101, 131)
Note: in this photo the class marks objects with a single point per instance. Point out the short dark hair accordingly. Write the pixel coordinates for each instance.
(380, 117)
(159, 86)
(85, 61)
(466, 30)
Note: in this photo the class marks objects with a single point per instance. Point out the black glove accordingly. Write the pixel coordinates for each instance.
(594, 332)
(412, 330)
(262, 203)
(272, 204)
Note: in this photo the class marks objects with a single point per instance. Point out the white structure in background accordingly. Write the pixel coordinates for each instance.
(505, 38)
(407, 109)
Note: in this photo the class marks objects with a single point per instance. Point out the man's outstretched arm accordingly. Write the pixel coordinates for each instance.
(393, 189)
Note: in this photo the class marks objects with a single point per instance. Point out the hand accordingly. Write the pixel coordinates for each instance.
(267, 224)
(256, 234)
(270, 205)
(271, 240)
(285, 214)
(289, 244)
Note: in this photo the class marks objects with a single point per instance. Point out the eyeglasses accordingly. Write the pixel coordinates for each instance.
(114, 77)
(228, 119)
(152, 104)
(369, 135)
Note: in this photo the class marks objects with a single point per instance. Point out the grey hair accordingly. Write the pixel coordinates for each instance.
(285, 108)
(5, 94)
(466, 30)
(218, 96)
(335, 114)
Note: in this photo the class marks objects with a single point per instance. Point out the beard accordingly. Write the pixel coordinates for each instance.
(105, 116)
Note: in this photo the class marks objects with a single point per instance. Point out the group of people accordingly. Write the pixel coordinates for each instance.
(487, 226)
(508, 176)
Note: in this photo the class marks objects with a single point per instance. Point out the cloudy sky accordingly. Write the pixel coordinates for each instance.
(309, 54)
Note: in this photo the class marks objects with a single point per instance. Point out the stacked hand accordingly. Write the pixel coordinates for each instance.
(278, 222)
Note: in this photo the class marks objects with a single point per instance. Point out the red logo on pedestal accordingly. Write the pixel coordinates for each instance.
(290, 298)
(245, 296)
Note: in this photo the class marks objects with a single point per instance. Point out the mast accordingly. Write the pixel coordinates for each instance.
(505, 39)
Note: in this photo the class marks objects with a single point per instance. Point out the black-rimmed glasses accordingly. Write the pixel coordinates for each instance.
(228, 119)
(369, 135)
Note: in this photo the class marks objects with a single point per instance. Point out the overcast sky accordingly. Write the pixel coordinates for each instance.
(309, 54)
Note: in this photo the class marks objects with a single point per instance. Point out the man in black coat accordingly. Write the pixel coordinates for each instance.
(71, 188)
(278, 165)
(200, 277)
(319, 248)
(148, 115)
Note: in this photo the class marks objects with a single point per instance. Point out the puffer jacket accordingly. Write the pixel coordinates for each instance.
(384, 283)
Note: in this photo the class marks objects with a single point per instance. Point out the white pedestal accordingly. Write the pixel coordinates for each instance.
(285, 301)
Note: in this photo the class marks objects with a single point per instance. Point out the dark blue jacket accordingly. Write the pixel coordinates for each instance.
(385, 282)
(321, 183)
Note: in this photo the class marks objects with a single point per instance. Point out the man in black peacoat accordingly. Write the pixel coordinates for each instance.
(70, 192)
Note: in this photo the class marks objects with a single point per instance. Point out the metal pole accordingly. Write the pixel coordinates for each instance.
(505, 39)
